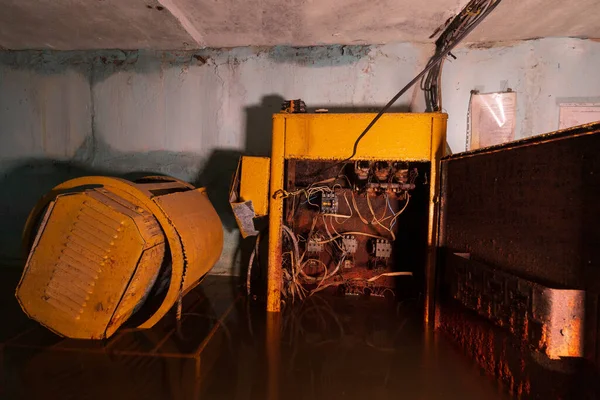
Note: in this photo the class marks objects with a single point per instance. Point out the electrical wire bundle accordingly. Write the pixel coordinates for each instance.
(295, 260)
(461, 25)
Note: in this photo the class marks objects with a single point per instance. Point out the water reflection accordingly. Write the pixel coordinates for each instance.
(357, 348)
(225, 348)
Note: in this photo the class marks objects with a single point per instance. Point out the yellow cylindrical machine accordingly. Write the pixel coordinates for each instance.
(100, 248)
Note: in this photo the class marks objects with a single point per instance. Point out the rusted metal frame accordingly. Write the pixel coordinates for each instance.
(570, 133)
(548, 319)
(437, 151)
(144, 197)
(441, 243)
(275, 272)
(197, 375)
(113, 340)
(19, 335)
(118, 336)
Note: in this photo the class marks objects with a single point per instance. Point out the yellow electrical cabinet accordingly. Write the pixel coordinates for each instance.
(353, 222)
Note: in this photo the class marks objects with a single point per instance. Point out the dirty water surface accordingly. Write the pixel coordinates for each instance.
(225, 347)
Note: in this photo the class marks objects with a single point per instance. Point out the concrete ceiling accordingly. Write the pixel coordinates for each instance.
(190, 24)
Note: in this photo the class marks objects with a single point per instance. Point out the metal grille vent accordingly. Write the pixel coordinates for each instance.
(86, 251)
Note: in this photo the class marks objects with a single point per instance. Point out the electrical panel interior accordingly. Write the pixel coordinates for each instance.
(356, 226)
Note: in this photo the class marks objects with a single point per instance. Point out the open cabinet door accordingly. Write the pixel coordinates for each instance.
(519, 266)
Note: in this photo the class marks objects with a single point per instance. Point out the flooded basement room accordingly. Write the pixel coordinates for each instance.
(269, 200)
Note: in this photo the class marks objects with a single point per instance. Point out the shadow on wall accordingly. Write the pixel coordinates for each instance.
(216, 177)
(24, 183)
(259, 123)
(22, 186)
(259, 120)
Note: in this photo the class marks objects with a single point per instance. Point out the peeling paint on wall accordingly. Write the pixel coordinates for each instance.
(190, 114)
(319, 56)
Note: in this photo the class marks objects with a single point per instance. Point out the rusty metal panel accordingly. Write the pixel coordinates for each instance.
(528, 210)
(523, 373)
(550, 320)
(529, 207)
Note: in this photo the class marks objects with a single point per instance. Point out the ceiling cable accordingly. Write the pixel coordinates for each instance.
(474, 13)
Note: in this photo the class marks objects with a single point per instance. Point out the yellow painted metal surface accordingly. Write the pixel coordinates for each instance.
(77, 279)
(136, 208)
(331, 136)
(438, 148)
(199, 228)
(405, 137)
(254, 183)
(275, 272)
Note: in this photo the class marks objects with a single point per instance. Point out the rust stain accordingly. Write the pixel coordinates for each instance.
(489, 351)
(549, 320)
(522, 371)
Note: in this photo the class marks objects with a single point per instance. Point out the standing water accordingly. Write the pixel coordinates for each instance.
(328, 347)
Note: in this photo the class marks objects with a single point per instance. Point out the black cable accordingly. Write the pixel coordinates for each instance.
(471, 15)
(444, 45)
(432, 63)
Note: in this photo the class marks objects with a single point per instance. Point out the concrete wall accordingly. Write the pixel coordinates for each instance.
(191, 114)
(544, 73)
(186, 114)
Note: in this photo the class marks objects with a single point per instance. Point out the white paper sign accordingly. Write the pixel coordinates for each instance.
(574, 114)
(491, 119)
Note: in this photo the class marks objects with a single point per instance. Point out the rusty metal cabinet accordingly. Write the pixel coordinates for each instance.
(519, 243)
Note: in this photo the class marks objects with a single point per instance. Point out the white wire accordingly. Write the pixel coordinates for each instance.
(337, 216)
(298, 264)
(251, 262)
(358, 212)
(329, 234)
(403, 273)
(377, 221)
(393, 222)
